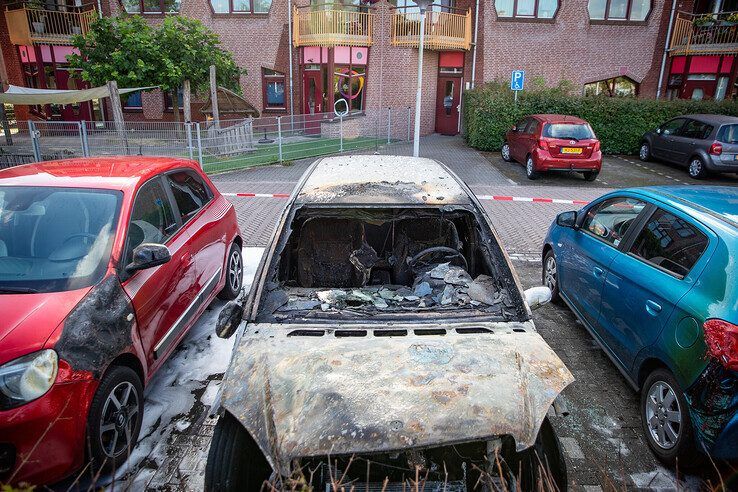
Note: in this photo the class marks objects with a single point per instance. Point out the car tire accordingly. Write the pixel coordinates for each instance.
(644, 153)
(666, 422)
(697, 169)
(550, 275)
(530, 168)
(505, 151)
(114, 419)
(235, 462)
(233, 274)
(590, 175)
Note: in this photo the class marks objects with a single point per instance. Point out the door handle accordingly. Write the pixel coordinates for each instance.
(599, 272)
(653, 308)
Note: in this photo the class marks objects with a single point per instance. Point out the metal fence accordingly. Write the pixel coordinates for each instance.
(232, 144)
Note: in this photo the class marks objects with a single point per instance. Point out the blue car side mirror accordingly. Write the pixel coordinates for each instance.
(567, 219)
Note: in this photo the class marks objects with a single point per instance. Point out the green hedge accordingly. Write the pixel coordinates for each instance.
(619, 122)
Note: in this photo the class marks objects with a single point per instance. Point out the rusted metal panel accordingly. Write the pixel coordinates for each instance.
(372, 179)
(336, 394)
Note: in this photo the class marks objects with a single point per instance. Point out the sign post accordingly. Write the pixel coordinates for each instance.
(517, 81)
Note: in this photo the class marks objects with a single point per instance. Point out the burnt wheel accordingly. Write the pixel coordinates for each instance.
(541, 464)
(234, 461)
(115, 416)
(233, 274)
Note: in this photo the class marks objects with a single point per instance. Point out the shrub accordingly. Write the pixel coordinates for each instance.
(619, 122)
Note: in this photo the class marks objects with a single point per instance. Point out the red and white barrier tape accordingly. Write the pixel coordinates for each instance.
(498, 198)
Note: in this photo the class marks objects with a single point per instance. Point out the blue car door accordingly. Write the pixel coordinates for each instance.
(645, 282)
(591, 249)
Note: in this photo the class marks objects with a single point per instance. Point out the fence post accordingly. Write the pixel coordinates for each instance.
(340, 131)
(189, 139)
(409, 112)
(389, 124)
(34, 141)
(82, 128)
(199, 146)
(279, 136)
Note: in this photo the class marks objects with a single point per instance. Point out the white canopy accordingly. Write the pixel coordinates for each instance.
(28, 95)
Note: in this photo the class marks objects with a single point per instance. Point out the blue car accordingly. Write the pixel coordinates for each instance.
(652, 273)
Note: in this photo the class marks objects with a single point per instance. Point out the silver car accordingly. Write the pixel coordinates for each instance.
(704, 143)
(386, 337)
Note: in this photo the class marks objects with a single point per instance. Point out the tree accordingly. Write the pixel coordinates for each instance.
(128, 50)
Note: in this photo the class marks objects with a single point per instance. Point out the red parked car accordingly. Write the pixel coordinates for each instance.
(105, 264)
(553, 142)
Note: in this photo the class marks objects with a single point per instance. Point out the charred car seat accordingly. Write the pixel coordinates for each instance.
(324, 251)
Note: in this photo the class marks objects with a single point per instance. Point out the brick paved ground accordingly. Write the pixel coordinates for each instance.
(601, 437)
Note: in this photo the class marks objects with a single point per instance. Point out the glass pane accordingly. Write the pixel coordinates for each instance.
(152, 220)
(671, 127)
(624, 87)
(132, 100)
(597, 9)
(241, 5)
(504, 8)
(618, 9)
(547, 8)
(611, 219)
(722, 86)
(526, 7)
(358, 81)
(189, 192)
(151, 6)
(132, 6)
(275, 93)
(219, 6)
(698, 94)
(639, 9)
(172, 6)
(728, 134)
(670, 243)
(262, 5)
(567, 130)
(696, 129)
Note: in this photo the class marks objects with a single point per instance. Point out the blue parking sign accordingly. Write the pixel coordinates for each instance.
(517, 80)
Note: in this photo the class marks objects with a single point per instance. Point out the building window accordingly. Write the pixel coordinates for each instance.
(349, 84)
(409, 6)
(273, 84)
(617, 86)
(527, 9)
(151, 6)
(168, 104)
(132, 101)
(619, 10)
(241, 6)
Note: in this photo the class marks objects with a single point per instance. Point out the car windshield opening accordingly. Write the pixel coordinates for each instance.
(55, 239)
(353, 263)
(576, 131)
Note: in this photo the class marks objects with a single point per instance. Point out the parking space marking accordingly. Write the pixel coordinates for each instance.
(653, 170)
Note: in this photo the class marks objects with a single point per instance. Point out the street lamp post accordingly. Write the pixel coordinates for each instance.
(422, 6)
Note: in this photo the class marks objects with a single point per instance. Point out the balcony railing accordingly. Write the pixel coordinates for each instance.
(443, 30)
(704, 34)
(29, 26)
(331, 27)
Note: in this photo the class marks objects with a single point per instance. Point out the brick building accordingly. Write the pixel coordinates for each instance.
(365, 55)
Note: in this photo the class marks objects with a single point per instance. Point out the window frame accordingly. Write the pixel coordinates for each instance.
(629, 235)
(249, 12)
(528, 18)
(265, 79)
(620, 20)
(627, 245)
(141, 10)
(132, 109)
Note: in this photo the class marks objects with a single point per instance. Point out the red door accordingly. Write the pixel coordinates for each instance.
(312, 89)
(77, 111)
(448, 101)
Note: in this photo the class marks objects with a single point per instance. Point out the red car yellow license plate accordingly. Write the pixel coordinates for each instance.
(571, 150)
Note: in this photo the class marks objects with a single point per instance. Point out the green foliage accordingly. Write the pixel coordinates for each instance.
(619, 122)
(128, 50)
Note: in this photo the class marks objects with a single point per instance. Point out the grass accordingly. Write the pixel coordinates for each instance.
(269, 154)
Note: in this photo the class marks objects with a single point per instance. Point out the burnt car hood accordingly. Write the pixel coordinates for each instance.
(300, 395)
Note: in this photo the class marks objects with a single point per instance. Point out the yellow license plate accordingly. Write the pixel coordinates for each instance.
(571, 150)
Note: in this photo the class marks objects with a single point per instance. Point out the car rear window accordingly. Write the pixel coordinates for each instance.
(728, 134)
(576, 131)
(670, 243)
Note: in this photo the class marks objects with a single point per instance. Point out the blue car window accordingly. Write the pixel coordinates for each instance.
(670, 243)
(611, 219)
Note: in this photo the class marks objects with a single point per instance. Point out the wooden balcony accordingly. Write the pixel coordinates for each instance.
(331, 27)
(443, 30)
(29, 26)
(703, 34)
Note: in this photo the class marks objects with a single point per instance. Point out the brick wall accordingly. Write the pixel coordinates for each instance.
(12, 74)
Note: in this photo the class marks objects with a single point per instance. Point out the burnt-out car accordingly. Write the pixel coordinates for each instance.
(386, 336)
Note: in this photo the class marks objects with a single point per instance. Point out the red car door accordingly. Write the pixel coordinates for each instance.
(162, 296)
(202, 219)
(529, 138)
(514, 139)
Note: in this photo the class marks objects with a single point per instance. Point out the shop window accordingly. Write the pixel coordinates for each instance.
(273, 84)
(151, 6)
(168, 104)
(722, 87)
(349, 83)
(241, 6)
(619, 10)
(531, 9)
(132, 101)
(616, 86)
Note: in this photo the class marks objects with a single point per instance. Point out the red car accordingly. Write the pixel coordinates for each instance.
(553, 142)
(105, 264)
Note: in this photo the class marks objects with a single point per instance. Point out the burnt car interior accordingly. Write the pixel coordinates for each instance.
(344, 261)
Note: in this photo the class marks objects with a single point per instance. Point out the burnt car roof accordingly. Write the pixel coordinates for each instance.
(365, 179)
